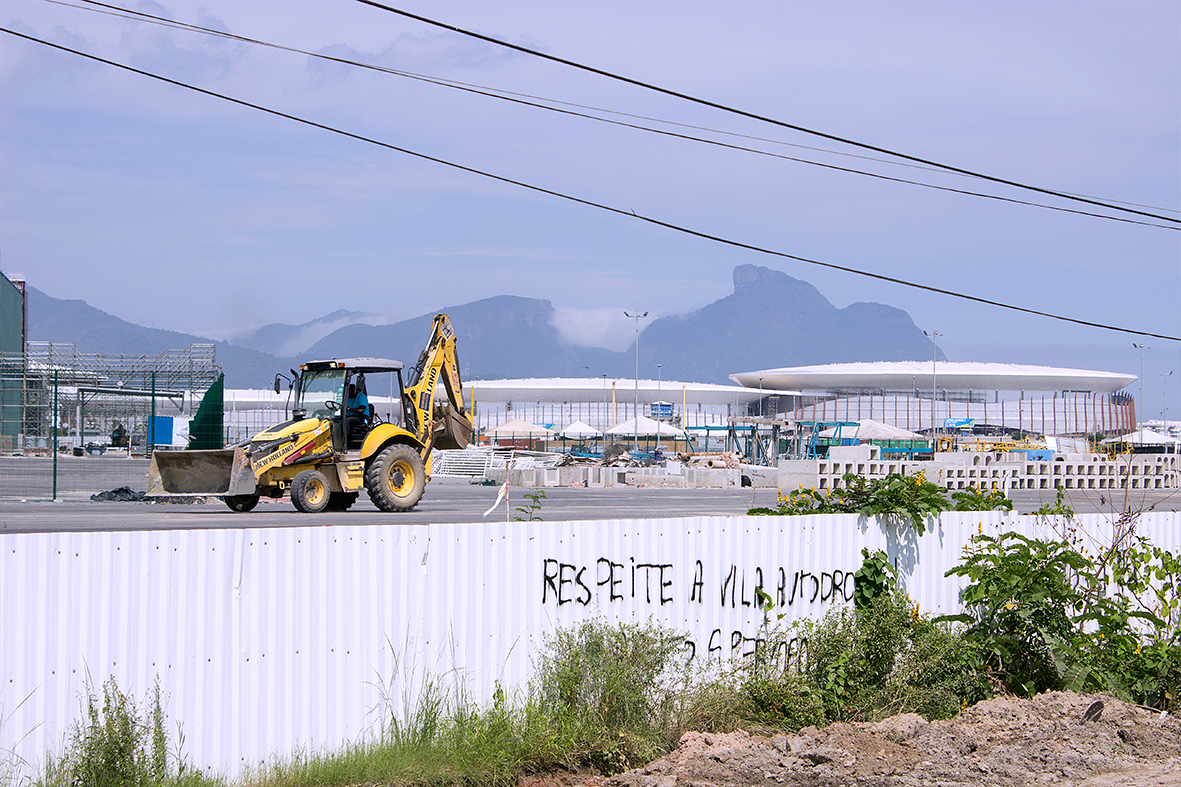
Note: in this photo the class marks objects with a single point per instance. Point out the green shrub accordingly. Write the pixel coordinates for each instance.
(1043, 616)
(910, 498)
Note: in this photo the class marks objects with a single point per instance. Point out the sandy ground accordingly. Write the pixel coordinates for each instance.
(1004, 741)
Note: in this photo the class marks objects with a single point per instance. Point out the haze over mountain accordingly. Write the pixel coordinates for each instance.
(770, 320)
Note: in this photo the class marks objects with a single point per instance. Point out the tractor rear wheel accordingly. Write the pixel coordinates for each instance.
(309, 492)
(395, 478)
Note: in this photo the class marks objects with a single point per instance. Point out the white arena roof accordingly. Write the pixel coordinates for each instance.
(558, 389)
(956, 376)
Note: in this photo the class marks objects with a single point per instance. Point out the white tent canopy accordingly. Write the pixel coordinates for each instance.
(869, 429)
(647, 427)
(519, 428)
(579, 431)
(1144, 437)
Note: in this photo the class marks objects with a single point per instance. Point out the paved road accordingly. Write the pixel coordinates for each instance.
(447, 500)
(457, 501)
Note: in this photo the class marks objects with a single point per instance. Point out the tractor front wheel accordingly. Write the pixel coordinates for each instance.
(241, 503)
(310, 492)
(395, 478)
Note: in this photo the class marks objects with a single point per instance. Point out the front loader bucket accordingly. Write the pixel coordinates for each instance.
(217, 472)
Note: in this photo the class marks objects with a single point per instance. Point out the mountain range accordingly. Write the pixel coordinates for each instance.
(770, 320)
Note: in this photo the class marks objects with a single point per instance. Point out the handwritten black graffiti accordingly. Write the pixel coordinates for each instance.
(653, 580)
(652, 583)
(557, 576)
(778, 654)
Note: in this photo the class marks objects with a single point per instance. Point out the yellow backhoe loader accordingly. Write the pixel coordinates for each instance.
(335, 443)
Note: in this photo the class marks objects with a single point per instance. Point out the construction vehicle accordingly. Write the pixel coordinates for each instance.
(323, 457)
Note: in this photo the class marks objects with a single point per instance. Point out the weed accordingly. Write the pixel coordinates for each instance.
(120, 744)
(1058, 508)
(618, 683)
(530, 511)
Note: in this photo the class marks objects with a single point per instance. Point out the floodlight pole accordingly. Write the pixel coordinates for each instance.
(1140, 404)
(1164, 413)
(934, 356)
(636, 409)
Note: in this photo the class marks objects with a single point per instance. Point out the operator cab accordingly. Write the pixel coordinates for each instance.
(353, 393)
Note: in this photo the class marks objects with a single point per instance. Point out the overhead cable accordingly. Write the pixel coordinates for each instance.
(523, 99)
(588, 203)
(754, 116)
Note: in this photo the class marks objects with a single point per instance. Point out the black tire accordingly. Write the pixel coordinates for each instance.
(309, 492)
(395, 478)
(241, 503)
(341, 501)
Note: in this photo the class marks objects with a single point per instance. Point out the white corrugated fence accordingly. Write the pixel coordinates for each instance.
(269, 641)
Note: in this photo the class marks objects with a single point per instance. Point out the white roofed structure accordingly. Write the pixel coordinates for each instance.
(950, 375)
(909, 375)
(579, 431)
(645, 428)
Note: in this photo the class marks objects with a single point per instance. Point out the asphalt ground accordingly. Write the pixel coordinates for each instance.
(450, 500)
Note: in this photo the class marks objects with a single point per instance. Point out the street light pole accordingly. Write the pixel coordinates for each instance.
(934, 356)
(1164, 413)
(637, 316)
(1140, 404)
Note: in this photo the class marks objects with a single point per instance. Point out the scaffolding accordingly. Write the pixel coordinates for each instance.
(100, 400)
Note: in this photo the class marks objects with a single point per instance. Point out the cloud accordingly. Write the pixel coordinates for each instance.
(604, 327)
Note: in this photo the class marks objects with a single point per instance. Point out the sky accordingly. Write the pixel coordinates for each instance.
(178, 210)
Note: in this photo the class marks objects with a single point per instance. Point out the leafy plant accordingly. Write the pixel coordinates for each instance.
(1020, 603)
(1044, 616)
(532, 509)
(874, 579)
(910, 498)
(976, 499)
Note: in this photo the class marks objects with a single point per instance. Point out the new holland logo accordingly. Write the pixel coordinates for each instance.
(274, 458)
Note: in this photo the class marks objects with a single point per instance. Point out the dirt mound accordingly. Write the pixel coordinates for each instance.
(1058, 738)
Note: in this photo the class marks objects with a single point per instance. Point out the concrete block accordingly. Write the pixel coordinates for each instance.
(767, 477)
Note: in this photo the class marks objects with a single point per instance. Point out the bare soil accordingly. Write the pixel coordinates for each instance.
(1003, 741)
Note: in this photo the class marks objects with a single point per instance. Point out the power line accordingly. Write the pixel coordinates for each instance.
(754, 116)
(588, 203)
(520, 98)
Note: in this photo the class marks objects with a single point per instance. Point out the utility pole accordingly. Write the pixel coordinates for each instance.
(637, 316)
(934, 356)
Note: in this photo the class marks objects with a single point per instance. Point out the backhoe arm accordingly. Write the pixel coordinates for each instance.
(439, 414)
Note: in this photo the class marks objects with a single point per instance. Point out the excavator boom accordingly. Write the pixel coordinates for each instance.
(439, 413)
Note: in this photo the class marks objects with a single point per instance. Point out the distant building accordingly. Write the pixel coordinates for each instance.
(956, 395)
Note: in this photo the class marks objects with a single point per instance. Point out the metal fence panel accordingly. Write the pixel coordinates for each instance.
(268, 641)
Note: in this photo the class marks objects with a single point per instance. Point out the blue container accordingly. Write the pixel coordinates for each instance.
(162, 430)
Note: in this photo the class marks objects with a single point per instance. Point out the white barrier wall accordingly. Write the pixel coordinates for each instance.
(271, 641)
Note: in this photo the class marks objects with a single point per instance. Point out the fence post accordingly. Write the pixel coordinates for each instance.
(53, 447)
(152, 421)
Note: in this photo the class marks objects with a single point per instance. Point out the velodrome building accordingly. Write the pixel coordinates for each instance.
(914, 394)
